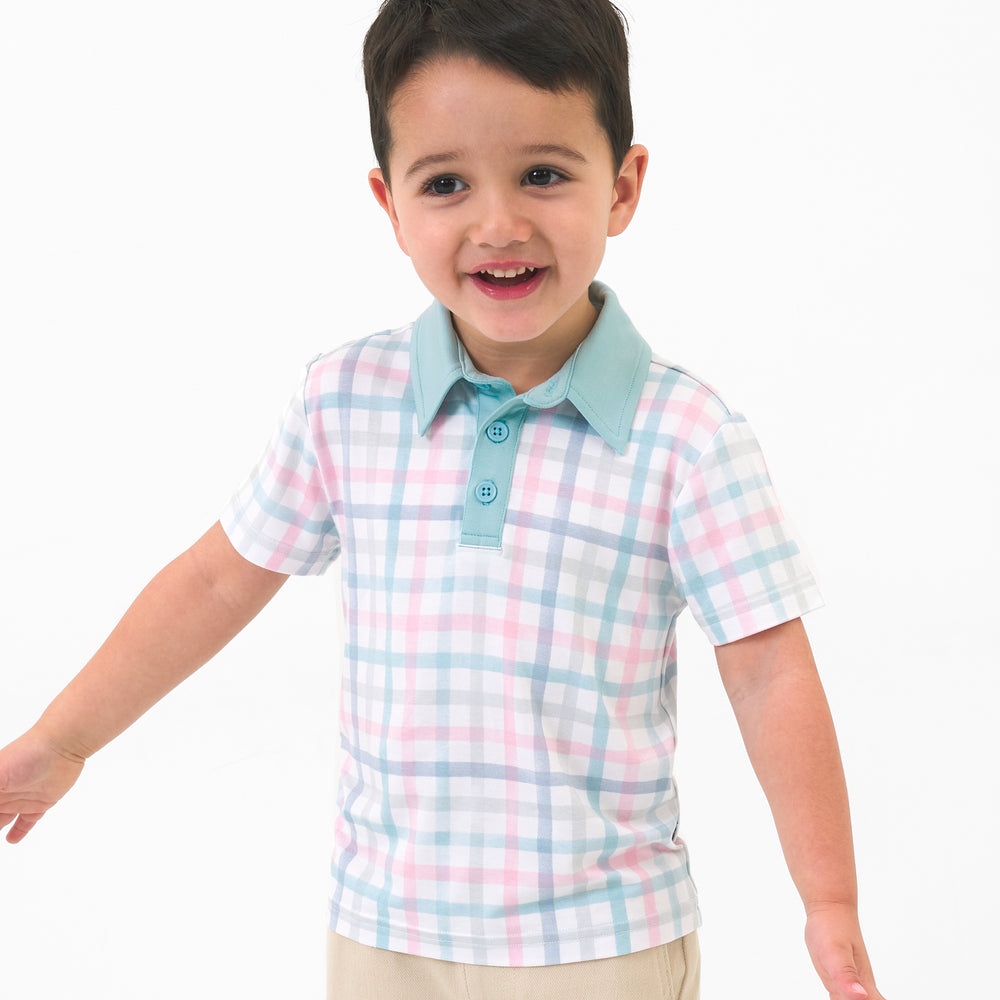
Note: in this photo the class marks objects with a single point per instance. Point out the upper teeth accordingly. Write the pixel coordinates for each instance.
(510, 273)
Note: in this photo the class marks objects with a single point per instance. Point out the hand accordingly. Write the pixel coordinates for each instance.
(34, 776)
(833, 937)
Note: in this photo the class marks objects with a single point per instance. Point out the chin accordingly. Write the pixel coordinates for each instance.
(507, 335)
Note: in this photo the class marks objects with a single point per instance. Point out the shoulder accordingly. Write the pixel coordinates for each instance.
(378, 364)
(681, 405)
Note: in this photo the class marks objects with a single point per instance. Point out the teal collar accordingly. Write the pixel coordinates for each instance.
(603, 378)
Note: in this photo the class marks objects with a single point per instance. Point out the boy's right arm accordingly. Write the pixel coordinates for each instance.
(186, 614)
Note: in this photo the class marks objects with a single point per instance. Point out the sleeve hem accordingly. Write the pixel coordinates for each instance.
(271, 554)
(739, 624)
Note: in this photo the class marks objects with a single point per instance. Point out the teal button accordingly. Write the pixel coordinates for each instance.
(498, 432)
(487, 492)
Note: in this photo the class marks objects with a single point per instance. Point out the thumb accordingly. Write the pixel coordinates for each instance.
(848, 984)
(838, 953)
(846, 980)
(843, 979)
(837, 967)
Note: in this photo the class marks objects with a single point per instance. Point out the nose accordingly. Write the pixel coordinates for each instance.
(499, 220)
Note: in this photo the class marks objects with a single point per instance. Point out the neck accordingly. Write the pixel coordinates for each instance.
(528, 363)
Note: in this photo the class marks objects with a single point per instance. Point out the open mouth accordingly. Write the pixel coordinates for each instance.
(518, 281)
(510, 278)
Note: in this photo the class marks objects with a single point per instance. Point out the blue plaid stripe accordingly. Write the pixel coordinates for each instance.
(508, 713)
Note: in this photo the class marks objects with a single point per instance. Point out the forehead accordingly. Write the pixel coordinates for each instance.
(458, 99)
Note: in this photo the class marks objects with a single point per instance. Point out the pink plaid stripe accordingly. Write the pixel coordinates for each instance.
(508, 713)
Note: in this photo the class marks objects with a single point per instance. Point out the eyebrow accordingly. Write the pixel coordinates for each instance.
(538, 149)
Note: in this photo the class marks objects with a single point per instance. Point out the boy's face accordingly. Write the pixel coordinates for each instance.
(493, 177)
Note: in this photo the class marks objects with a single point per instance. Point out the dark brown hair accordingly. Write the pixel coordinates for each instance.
(555, 45)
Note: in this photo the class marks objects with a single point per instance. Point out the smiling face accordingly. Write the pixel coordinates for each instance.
(503, 196)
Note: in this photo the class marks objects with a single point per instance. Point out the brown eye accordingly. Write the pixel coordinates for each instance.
(541, 177)
(444, 186)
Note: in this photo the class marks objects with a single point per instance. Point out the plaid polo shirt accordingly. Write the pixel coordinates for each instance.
(514, 567)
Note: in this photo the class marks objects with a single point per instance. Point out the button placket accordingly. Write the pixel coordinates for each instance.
(491, 473)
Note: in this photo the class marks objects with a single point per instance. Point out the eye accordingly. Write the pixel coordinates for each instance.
(543, 177)
(444, 186)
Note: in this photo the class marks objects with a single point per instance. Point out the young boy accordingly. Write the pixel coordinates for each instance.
(525, 500)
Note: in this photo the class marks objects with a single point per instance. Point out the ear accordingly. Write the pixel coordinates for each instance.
(383, 195)
(628, 187)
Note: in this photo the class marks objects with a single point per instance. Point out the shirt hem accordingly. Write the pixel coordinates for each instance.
(605, 942)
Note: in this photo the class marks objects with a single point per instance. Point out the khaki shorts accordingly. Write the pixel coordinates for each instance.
(359, 972)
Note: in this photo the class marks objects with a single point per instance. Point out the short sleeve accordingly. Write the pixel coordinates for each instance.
(731, 548)
(281, 518)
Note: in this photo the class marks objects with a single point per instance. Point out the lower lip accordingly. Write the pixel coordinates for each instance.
(505, 293)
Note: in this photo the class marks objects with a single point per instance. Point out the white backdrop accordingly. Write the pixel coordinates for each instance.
(184, 220)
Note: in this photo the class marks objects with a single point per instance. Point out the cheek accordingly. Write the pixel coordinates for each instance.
(587, 230)
(429, 239)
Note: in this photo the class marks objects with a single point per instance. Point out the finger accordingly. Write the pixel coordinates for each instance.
(852, 975)
(840, 974)
(848, 982)
(6, 818)
(851, 986)
(21, 829)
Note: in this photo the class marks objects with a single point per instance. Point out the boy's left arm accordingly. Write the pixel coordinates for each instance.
(782, 711)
